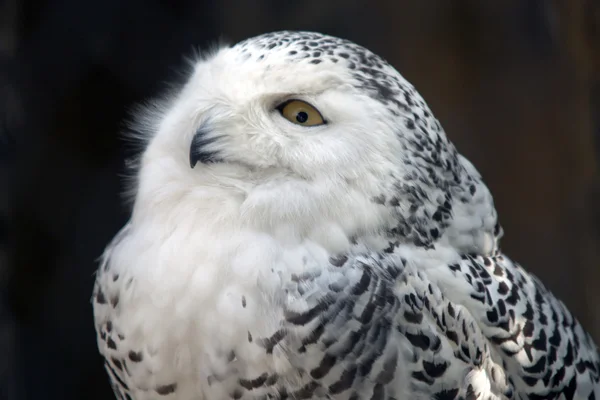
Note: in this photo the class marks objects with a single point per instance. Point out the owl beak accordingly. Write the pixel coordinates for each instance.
(200, 148)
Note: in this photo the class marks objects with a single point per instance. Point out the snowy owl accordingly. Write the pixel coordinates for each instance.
(302, 228)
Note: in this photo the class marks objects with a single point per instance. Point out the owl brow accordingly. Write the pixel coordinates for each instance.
(308, 91)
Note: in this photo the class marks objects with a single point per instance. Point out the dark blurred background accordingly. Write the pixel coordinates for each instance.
(513, 82)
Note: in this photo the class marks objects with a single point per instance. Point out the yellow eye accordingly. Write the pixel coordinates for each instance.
(301, 113)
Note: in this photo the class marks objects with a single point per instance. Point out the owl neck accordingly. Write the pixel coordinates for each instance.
(437, 207)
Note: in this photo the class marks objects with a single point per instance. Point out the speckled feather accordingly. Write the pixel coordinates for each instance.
(354, 260)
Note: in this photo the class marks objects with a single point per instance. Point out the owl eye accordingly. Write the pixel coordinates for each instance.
(301, 113)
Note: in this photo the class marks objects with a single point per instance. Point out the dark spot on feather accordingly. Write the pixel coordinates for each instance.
(136, 356)
(254, 383)
(435, 370)
(111, 343)
(418, 340)
(100, 298)
(338, 261)
(166, 389)
(271, 342)
(117, 363)
(345, 382)
(327, 362)
(306, 392)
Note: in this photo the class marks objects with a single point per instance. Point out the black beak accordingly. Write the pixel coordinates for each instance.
(199, 149)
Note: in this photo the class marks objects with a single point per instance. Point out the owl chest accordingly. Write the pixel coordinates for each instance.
(202, 313)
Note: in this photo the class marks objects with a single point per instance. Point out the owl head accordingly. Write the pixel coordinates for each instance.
(291, 129)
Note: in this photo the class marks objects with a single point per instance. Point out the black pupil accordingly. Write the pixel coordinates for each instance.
(302, 117)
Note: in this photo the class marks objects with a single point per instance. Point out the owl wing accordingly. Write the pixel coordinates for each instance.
(545, 351)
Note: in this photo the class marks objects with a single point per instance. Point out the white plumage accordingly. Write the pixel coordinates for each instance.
(302, 228)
